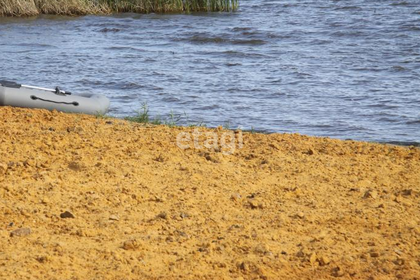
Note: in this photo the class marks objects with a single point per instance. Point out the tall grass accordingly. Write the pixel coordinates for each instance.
(83, 7)
(17, 8)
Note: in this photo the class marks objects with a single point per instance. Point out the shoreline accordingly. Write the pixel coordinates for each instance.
(77, 188)
(171, 122)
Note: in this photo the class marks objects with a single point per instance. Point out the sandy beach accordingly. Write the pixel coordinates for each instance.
(83, 197)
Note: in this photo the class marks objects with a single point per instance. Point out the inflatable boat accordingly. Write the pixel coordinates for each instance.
(17, 95)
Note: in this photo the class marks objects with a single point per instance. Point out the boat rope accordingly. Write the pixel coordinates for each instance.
(33, 97)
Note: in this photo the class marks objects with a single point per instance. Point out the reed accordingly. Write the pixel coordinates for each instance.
(83, 7)
(17, 8)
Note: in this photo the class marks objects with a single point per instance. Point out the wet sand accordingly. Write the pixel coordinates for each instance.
(89, 198)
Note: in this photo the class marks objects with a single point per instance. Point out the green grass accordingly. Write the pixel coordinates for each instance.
(172, 119)
(226, 125)
(143, 116)
(102, 116)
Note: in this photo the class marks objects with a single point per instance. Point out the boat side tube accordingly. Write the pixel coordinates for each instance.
(12, 94)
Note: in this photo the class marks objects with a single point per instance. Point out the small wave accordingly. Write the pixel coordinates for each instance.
(278, 93)
(398, 68)
(251, 33)
(288, 5)
(106, 30)
(18, 51)
(316, 42)
(236, 54)
(130, 86)
(239, 54)
(171, 99)
(116, 24)
(248, 42)
(206, 40)
(401, 3)
(276, 81)
(348, 8)
(110, 84)
(233, 53)
(241, 29)
(156, 88)
(126, 97)
(382, 106)
(323, 126)
(349, 33)
(33, 45)
(209, 107)
(242, 107)
(388, 120)
(186, 102)
(232, 64)
(223, 40)
(119, 48)
(366, 69)
(86, 82)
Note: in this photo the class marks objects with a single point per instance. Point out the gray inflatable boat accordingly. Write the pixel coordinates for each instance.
(17, 95)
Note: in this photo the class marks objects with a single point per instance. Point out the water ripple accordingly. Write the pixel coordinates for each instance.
(329, 68)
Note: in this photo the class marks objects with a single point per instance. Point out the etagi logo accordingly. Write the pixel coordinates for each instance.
(227, 142)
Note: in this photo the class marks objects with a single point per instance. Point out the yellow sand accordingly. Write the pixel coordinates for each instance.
(282, 207)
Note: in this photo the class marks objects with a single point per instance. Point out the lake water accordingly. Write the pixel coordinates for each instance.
(343, 69)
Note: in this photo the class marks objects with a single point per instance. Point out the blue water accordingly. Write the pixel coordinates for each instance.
(343, 69)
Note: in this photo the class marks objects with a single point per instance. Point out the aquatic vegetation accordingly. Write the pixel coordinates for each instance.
(83, 7)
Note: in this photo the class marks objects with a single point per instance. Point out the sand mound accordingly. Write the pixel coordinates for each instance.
(89, 198)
